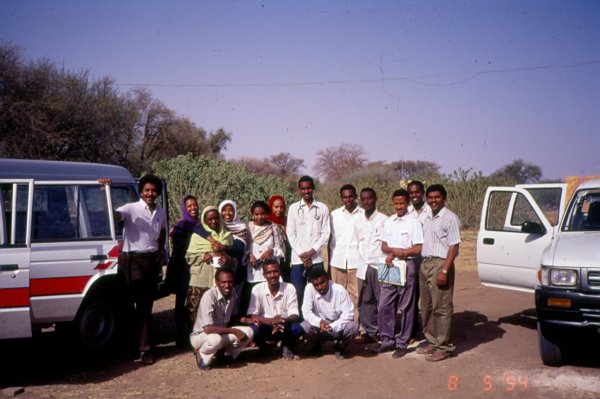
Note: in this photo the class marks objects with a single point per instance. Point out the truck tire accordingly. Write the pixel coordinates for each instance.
(550, 351)
(97, 322)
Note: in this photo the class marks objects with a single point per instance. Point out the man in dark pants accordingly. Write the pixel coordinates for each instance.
(308, 230)
(273, 312)
(419, 208)
(401, 241)
(144, 235)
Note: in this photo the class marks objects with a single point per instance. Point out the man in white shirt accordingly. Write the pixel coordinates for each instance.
(419, 208)
(144, 235)
(328, 313)
(211, 331)
(343, 247)
(401, 241)
(368, 228)
(308, 231)
(273, 312)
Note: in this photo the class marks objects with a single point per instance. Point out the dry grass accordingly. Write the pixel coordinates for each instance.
(467, 259)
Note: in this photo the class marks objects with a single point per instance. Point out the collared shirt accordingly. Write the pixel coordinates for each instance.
(344, 243)
(422, 214)
(335, 307)
(441, 231)
(263, 303)
(142, 226)
(368, 233)
(214, 309)
(402, 232)
(307, 228)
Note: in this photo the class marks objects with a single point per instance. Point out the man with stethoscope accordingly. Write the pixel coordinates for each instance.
(308, 231)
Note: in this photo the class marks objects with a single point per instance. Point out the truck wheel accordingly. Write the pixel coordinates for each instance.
(96, 323)
(550, 351)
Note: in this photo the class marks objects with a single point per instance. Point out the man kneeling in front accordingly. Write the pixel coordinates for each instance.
(211, 331)
(328, 313)
(273, 312)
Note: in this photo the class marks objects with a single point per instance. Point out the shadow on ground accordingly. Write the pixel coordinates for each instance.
(53, 357)
(471, 329)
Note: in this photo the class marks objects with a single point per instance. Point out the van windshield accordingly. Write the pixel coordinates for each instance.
(584, 212)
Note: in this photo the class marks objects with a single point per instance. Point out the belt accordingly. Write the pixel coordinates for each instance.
(432, 257)
(141, 254)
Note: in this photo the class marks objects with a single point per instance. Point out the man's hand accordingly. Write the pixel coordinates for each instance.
(388, 260)
(442, 279)
(306, 255)
(325, 327)
(252, 261)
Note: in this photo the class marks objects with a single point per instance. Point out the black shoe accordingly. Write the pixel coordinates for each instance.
(383, 348)
(147, 357)
(339, 351)
(398, 353)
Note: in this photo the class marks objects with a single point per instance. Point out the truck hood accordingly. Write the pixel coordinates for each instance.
(579, 249)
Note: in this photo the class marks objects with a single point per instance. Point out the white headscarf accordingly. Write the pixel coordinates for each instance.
(238, 228)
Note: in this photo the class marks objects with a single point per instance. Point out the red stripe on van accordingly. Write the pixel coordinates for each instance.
(14, 297)
(58, 286)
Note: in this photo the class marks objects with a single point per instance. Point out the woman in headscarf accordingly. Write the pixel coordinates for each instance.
(241, 243)
(178, 270)
(203, 258)
(267, 242)
(277, 216)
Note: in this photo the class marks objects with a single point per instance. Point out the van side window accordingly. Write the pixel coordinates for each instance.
(13, 223)
(69, 212)
(122, 195)
(54, 214)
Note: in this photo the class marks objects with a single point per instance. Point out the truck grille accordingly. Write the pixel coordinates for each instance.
(594, 278)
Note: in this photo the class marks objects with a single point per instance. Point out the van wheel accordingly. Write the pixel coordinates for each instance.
(550, 351)
(96, 323)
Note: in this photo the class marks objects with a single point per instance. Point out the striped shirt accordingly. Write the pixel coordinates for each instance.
(440, 233)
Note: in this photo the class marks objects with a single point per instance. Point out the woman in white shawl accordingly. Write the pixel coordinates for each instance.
(241, 243)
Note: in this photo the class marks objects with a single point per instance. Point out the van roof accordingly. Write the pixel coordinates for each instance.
(61, 170)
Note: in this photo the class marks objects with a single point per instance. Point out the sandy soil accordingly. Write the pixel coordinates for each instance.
(496, 357)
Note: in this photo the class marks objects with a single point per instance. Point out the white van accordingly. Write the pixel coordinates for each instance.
(59, 247)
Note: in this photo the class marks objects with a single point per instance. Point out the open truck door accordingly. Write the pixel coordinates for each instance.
(517, 224)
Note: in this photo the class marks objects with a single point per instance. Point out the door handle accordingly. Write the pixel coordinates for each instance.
(99, 257)
(488, 241)
(8, 268)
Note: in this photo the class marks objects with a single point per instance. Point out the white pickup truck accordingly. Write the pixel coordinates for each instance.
(529, 241)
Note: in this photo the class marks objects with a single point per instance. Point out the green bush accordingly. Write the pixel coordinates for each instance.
(212, 181)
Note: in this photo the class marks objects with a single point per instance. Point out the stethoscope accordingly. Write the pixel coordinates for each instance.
(316, 215)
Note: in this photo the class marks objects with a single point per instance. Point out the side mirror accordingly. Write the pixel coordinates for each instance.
(533, 228)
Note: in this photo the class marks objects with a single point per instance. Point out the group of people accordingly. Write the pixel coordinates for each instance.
(265, 282)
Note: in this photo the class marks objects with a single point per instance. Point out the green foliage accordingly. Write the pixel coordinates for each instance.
(212, 181)
(466, 189)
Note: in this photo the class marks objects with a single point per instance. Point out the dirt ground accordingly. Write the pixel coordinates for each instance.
(496, 357)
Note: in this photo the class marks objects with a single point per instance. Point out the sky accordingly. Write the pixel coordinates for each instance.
(465, 84)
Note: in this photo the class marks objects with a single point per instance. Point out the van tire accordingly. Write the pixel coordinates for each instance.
(550, 351)
(97, 323)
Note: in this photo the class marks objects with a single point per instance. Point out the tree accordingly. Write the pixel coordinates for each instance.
(259, 167)
(286, 164)
(48, 112)
(520, 172)
(335, 162)
(411, 170)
